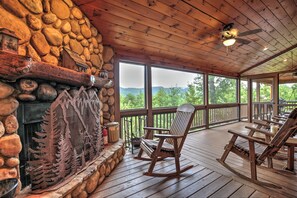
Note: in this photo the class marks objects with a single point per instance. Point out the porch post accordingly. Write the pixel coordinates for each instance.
(206, 100)
(275, 94)
(238, 81)
(149, 96)
(250, 100)
(117, 91)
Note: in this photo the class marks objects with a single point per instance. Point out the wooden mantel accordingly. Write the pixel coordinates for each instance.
(13, 67)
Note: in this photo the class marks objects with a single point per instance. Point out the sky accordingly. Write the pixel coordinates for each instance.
(132, 75)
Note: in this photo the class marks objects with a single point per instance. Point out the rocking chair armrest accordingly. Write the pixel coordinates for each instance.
(273, 122)
(260, 130)
(249, 138)
(168, 136)
(279, 118)
(259, 122)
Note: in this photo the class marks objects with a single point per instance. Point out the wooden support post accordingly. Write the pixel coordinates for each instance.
(250, 100)
(275, 94)
(149, 97)
(238, 98)
(205, 78)
(117, 92)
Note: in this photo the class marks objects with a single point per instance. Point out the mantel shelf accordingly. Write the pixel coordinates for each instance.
(13, 67)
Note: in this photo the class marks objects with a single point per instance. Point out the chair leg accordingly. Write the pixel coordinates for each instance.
(152, 166)
(140, 153)
(176, 157)
(228, 148)
(253, 161)
(269, 162)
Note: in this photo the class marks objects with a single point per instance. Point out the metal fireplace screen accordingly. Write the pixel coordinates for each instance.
(69, 138)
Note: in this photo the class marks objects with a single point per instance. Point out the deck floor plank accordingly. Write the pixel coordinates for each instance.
(243, 191)
(157, 187)
(207, 178)
(227, 190)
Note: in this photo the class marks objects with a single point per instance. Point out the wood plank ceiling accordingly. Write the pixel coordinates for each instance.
(187, 32)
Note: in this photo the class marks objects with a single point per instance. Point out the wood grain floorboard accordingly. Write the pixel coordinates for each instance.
(207, 178)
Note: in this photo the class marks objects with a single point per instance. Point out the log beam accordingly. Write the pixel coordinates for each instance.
(14, 67)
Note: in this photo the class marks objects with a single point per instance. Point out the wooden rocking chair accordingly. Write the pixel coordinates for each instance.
(256, 150)
(170, 143)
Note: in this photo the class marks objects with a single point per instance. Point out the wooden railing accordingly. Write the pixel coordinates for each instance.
(243, 112)
(133, 121)
(221, 114)
(287, 107)
(262, 110)
(164, 119)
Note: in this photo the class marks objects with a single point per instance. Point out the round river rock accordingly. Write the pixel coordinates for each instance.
(46, 92)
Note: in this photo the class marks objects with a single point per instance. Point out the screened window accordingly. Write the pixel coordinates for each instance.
(221, 90)
(262, 90)
(131, 86)
(172, 88)
(243, 91)
(288, 92)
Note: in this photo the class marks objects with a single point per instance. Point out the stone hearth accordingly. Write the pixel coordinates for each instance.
(86, 181)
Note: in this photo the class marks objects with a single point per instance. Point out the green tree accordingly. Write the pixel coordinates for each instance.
(175, 97)
(160, 99)
(221, 90)
(131, 101)
(243, 91)
(194, 94)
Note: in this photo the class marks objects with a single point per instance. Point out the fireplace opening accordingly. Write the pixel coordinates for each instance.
(30, 118)
(59, 138)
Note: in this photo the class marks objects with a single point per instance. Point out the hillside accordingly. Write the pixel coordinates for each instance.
(136, 91)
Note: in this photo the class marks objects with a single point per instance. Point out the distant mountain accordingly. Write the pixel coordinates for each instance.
(135, 91)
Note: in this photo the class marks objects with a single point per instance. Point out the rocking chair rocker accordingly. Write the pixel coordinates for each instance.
(169, 144)
(256, 150)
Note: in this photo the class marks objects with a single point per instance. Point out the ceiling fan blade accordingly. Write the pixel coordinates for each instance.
(243, 41)
(255, 31)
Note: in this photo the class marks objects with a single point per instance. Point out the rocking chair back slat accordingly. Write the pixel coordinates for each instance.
(267, 153)
(181, 125)
(168, 145)
(280, 137)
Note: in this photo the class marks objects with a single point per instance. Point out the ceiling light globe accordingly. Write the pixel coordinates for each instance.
(229, 42)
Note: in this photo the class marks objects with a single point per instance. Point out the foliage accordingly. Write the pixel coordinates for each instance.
(221, 90)
(288, 92)
(131, 101)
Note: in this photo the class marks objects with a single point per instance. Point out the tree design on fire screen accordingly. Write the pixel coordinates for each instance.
(70, 138)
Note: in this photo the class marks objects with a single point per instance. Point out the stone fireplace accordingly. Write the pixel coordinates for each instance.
(34, 77)
(54, 127)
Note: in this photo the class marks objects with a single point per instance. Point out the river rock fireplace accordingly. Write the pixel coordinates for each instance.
(64, 122)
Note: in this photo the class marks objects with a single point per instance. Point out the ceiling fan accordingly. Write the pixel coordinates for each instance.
(230, 35)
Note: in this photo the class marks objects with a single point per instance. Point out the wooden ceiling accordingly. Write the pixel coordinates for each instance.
(186, 32)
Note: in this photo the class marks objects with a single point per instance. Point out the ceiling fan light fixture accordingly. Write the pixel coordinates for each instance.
(265, 48)
(229, 42)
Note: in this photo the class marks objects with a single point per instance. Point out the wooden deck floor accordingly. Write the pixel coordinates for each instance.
(208, 178)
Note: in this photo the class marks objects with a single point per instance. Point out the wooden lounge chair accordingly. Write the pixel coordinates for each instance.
(256, 151)
(170, 143)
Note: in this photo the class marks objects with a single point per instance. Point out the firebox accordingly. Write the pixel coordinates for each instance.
(59, 138)
(30, 118)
